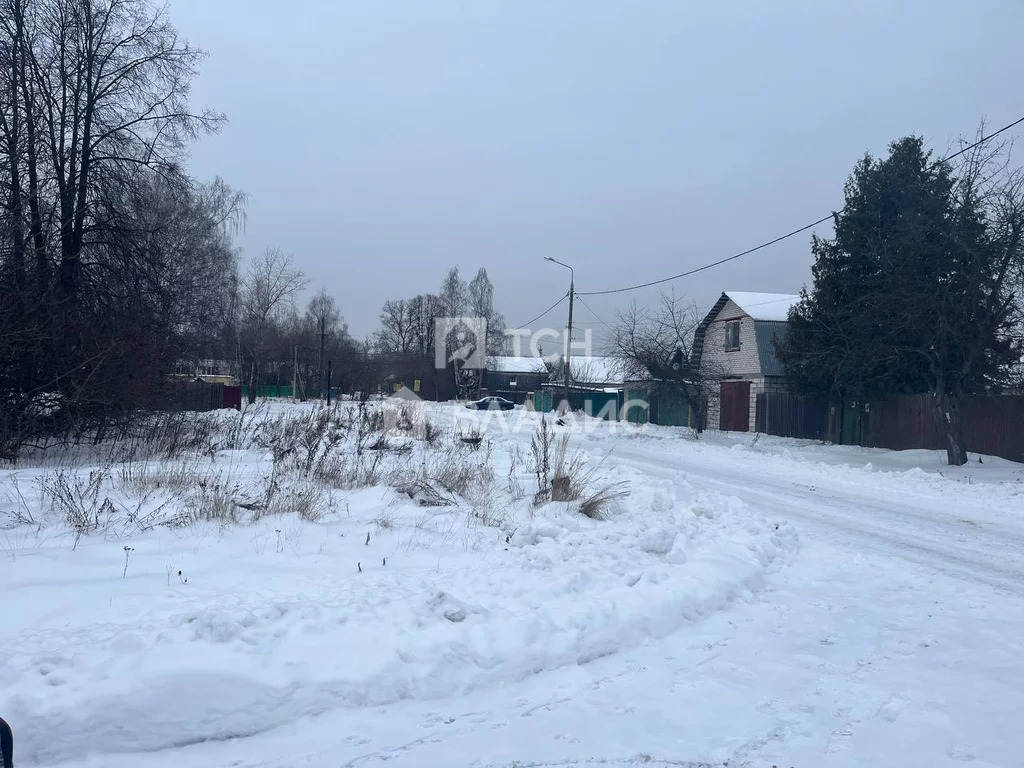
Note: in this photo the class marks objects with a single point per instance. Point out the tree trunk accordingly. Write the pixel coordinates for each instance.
(947, 413)
(254, 380)
(700, 409)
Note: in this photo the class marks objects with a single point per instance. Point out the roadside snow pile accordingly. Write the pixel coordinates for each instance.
(614, 585)
(985, 482)
(173, 637)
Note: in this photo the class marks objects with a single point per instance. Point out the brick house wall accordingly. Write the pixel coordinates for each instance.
(758, 384)
(756, 340)
(769, 384)
(742, 363)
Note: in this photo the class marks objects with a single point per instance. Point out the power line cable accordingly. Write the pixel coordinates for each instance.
(590, 309)
(788, 235)
(546, 311)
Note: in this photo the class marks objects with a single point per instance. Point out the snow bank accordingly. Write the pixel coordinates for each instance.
(217, 633)
(985, 481)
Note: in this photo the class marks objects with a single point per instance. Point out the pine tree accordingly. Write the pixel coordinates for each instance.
(910, 295)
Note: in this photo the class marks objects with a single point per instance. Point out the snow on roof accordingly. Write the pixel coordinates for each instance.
(513, 364)
(764, 306)
(598, 370)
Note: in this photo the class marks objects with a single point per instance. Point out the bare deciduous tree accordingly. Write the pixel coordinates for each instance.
(268, 293)
(324, 322)
(111, 259)
(452, 298)
(396, 332)
(480, 299)
(423, 310)
(657, 346)
(407, 336)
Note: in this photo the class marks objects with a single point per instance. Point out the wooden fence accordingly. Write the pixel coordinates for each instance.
(786, 415)
(993, 424)
(203, 396)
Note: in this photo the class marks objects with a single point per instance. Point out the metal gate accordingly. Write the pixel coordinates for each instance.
(735, 406)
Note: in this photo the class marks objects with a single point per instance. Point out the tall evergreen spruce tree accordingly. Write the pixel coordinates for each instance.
(911, 294)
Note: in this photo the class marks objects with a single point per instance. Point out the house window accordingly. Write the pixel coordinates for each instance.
(732, 335)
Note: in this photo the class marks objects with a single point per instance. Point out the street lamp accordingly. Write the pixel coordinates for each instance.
(568, 333)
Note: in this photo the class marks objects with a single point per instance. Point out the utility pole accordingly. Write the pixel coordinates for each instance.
(568, 344)
(295, 371)
(330, 364)
(323, 336)
(567, 366)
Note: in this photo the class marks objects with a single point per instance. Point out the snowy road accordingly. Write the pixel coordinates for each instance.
(893, 639)
(969, 534)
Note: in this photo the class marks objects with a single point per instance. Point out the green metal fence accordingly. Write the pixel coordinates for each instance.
(602, 405)
(642, 406)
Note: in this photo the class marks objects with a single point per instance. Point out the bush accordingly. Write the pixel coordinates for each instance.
(77, 500)
(563, 475)
(597, 505)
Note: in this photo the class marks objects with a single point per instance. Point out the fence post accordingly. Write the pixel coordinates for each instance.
(330, 365)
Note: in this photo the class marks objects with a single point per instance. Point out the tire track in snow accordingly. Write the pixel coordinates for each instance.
(897, 528)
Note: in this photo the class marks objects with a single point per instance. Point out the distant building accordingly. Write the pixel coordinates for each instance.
(210, 371)
(589, 372)
(514, 378)
(735, 343)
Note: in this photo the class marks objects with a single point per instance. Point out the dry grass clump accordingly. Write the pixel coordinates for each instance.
(181, 470)
(597, 505)
(77, 500)
(564, 475)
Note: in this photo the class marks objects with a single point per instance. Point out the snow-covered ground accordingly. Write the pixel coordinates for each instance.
(762, 602)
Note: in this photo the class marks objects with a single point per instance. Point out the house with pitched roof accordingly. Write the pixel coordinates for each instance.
(514, 377)
(589, 372)
(735, 345)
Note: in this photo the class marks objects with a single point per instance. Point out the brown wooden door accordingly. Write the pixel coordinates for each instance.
(735, 411)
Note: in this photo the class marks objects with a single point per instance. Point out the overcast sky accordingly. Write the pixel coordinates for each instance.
(381, 142)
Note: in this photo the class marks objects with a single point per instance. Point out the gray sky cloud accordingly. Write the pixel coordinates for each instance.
(382, 142)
